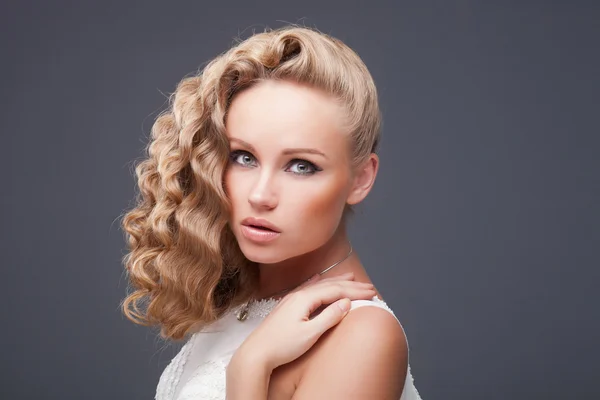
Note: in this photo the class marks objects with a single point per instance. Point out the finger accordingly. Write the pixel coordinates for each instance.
(339, 283)
(327, 293)
(313, 279)
(317, 278)
(348, 276)
(310, 281)
(330, 316)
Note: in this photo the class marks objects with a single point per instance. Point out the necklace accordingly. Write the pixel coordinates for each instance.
(243, 313)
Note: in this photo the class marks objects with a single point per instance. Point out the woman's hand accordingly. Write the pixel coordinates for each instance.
(288, 331)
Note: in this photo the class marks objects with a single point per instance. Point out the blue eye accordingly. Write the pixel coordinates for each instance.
(246, 159)
(241, 157)
(304, 167)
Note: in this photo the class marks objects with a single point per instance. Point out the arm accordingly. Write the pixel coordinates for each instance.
(288, 332)
(247, 377)
(364, 357)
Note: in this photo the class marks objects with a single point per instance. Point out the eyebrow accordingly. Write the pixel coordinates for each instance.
(285, 151)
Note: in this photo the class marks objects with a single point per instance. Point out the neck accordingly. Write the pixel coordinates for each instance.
(292, 272)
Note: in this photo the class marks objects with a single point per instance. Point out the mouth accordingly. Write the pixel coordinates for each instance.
(262, 228)
(260, 224)
(259, 230)
(259, 234)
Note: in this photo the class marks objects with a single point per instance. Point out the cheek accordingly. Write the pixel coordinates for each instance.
(234, 188)
(320, 208)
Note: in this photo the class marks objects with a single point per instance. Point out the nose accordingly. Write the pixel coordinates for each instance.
(262, 194)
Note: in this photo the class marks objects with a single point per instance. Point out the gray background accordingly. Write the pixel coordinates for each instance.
(481, 231)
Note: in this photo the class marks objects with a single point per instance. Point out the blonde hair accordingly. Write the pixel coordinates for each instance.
(184, 263)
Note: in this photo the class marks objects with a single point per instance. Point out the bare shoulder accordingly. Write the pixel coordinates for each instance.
(364, 356)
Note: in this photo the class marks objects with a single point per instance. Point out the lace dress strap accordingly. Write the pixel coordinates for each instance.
(410, 391)
(377, 302)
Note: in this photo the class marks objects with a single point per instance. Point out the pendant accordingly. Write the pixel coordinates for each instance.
(243, 314)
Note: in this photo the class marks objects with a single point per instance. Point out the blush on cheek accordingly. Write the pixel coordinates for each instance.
(235, 185)
(234, 191)
(316, 215)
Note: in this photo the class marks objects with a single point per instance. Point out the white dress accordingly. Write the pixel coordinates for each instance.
(198, 370)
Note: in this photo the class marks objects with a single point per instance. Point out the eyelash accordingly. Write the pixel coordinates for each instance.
(234, 154)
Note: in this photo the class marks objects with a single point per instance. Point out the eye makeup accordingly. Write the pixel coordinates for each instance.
(234, 157)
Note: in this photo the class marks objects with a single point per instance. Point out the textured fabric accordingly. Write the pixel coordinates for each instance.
(198, 370)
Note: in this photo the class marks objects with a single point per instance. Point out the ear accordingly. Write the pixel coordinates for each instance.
(363, 180)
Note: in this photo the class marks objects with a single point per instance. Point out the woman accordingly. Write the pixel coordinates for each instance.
(250, 178)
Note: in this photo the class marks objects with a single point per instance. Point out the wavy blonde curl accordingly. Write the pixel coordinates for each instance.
(184, 263)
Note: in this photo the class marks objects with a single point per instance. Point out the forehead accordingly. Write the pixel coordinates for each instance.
(286, 114)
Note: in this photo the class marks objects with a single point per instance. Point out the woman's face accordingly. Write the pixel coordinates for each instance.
(289, 165)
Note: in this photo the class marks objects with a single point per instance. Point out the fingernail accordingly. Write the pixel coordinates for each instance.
(344, 304)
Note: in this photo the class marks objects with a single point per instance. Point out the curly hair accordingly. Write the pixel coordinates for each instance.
(184, 264)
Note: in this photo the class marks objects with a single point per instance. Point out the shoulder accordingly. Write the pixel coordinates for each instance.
(373, 320)
(364, 356)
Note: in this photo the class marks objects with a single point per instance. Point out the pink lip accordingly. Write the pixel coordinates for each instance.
(259, 235)
(260, 222)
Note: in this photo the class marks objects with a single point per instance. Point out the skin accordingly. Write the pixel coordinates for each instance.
(304, 194)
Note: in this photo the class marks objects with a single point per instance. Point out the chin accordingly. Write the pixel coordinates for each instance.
(264, 255)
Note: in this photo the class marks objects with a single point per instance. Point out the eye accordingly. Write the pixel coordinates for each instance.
(297, 166)
(241, 157)
(303, 167)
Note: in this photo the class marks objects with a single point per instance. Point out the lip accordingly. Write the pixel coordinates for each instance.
(260, 222)
(258, 235)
